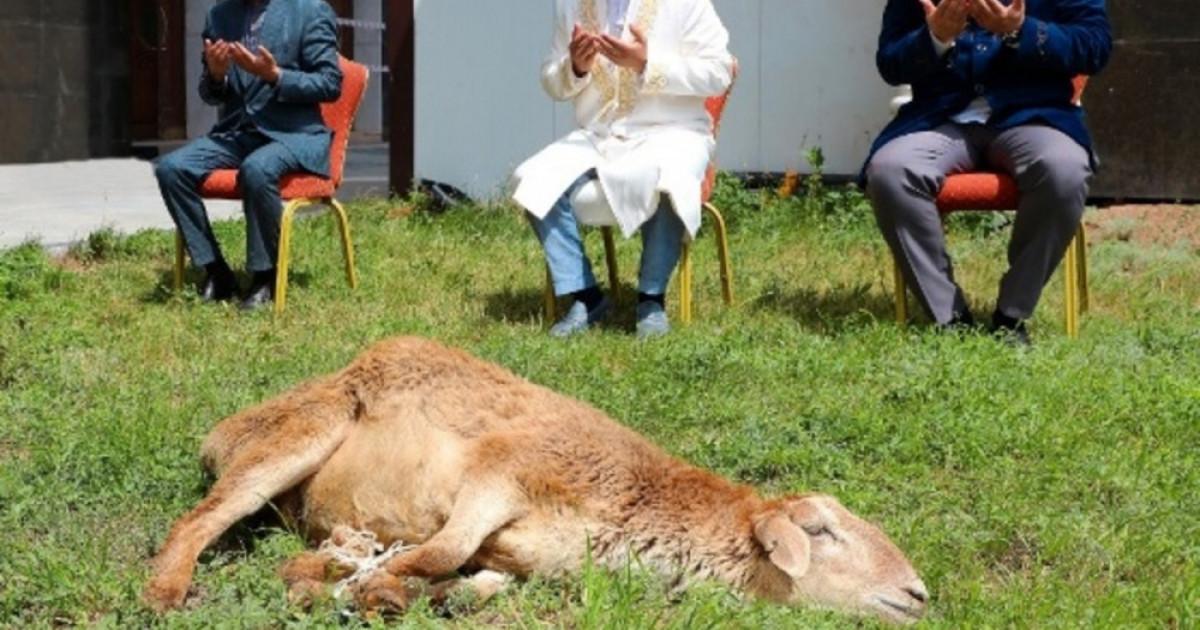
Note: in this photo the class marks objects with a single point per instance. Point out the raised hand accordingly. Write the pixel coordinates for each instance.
(583, 50)
(261, 65)
(996, 17)
(217, 56)
(626, 54)
(948, 19)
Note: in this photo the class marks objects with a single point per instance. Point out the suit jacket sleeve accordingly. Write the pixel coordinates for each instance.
(318, 77)
(701, 65)
(1076, 41)
(906, 53)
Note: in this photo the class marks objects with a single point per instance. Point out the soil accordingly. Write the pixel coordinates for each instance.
(1152, 225)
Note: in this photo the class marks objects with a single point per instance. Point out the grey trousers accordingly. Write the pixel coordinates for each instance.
(1052, 173)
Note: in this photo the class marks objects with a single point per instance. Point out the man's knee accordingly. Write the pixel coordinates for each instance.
(1062, 173)
(169, 170)
(253, 176)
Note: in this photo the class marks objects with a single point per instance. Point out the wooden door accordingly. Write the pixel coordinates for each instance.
(156, 70)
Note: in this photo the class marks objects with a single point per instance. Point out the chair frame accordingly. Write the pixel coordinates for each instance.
(1075, 282)
(684, 275)
(294, 204)
(1004, 197)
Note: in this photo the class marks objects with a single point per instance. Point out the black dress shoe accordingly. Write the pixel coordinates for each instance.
(260, 294)
(959, 324)
(218, 288)
(1010, 331)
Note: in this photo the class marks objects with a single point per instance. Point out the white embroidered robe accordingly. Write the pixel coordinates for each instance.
(644, 134)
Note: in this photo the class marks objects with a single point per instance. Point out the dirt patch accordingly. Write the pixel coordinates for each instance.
(1157, 225)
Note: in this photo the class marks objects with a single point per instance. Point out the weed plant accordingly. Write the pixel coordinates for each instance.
(1047, 488)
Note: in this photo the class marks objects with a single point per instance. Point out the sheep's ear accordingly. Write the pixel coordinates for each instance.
(786, 544)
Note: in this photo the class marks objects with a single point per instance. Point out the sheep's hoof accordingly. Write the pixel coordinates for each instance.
(163, 594)
(381, 592)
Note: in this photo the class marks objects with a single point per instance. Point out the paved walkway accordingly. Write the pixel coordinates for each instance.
(60, 203)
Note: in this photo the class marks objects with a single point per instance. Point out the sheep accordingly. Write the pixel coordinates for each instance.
(485, 471)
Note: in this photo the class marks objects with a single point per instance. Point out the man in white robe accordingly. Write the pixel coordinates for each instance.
(638, 73)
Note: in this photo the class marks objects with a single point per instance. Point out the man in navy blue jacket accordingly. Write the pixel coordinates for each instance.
(992, 88)
(268, 65)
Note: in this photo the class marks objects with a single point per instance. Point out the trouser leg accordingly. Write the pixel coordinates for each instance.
(1052, 173)
(903, 180)
(558, 232)
(259, 180)
(179, 175)
(662, 243)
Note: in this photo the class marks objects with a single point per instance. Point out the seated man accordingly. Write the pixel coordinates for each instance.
(638, 74)
(992, 88)
(268, 64)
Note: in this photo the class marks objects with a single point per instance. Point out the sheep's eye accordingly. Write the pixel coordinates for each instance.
(818, 530)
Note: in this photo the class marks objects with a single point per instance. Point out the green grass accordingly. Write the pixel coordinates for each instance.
(1049, 488)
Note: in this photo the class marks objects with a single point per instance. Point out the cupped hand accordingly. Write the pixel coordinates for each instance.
(948, 19)
(217, 56)
(626, 53)
(261, 65)
(997, 17)
(583, 50)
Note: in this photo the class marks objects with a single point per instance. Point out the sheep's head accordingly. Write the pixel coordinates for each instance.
(824, 555)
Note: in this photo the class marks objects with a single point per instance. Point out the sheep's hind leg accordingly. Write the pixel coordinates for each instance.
(259, 472)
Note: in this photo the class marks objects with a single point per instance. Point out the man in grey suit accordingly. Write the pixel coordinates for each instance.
(267, 66)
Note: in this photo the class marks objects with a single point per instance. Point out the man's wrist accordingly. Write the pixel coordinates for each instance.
(1012, 38)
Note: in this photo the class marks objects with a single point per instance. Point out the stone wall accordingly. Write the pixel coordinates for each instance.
(64, 91)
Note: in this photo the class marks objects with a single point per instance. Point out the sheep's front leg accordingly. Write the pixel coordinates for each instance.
(478, 511)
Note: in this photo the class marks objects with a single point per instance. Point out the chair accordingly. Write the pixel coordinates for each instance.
(300, 190)
(985, 190)
(716, 107)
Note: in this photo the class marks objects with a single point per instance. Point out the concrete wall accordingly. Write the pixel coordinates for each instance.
(64, 87)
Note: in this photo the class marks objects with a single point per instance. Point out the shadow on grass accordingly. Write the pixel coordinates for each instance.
(521, 306)
(525, 306)
(833, 311)
(163, 291)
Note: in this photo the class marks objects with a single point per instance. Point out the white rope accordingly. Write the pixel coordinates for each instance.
(358, 549)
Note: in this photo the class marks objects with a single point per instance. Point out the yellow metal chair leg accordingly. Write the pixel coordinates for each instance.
(285, 248)
(722, 237)
(1071, 284)
(685, 284)
(178, 260)
(548, 305)
(901, 293)
(343, 221)
(1081, 253)
(610, 259)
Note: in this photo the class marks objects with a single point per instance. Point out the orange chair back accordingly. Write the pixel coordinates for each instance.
(716, 107)
(338, 116)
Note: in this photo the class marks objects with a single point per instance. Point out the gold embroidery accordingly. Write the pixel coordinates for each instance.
(626, 89)
(629, 94)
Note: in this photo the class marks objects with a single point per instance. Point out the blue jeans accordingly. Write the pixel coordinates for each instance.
(260, 162)
(570, 269)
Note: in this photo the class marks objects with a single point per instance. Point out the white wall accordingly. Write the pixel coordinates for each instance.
(807, 78)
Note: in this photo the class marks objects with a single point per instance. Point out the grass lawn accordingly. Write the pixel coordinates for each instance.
(1050, 488)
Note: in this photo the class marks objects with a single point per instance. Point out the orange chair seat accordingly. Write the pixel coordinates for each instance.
(977, 191)
(222, 184)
